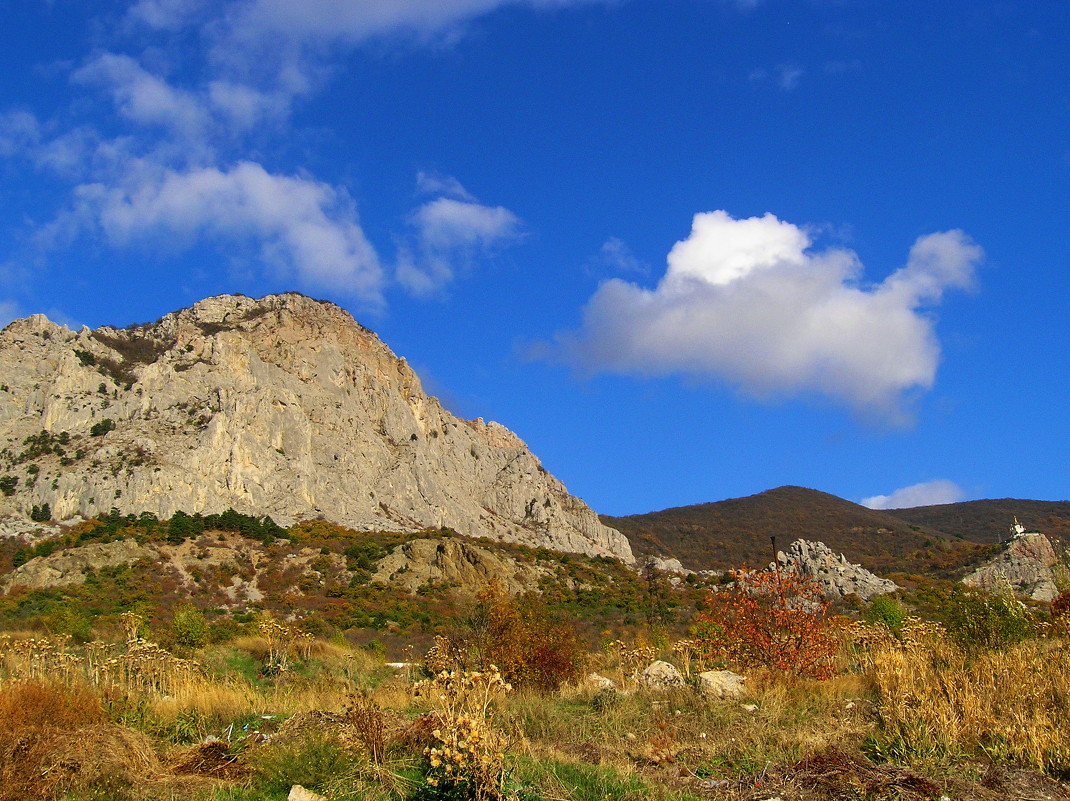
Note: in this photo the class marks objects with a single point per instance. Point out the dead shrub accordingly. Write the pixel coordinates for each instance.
(44, 703)
(366, 718)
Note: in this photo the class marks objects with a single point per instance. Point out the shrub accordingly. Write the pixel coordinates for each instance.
(41, 514)
(978, 619)
(521, 637)
(188, 627)
(772, 620)
(99, 429)
(48, 703)
(467, 759)
(887, 611)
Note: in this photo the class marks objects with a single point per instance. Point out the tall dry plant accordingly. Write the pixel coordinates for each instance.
(937, 699)
(468, 755)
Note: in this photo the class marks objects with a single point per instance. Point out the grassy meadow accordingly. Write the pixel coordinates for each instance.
(503, 707)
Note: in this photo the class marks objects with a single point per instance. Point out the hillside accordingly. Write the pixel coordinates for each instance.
(727, 533)
(283, 406)
(988, 521)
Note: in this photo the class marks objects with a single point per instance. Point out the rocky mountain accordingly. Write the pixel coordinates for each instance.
(942, 540)
(283, 406)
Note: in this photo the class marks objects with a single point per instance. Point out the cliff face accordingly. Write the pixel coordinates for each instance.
(1026, 566)
(281, 406)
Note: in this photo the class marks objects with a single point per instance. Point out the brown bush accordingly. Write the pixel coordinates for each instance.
(42, 703)
(521, 638)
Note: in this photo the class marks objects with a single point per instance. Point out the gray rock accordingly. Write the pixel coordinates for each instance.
(836, 576)
(69, 567)
(281, 406)
(721, 684)
(661, 676)
(1026, 567)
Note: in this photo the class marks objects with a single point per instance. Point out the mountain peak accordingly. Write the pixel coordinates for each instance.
(283, 406)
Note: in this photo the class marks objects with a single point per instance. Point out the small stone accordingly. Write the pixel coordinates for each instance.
(601, 682)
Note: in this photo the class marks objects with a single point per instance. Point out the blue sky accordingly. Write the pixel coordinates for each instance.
(687, 249)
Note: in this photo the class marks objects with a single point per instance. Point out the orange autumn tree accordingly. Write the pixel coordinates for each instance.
(769, 619)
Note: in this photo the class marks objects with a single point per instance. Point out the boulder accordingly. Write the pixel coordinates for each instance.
(721, 684)
(661, 675)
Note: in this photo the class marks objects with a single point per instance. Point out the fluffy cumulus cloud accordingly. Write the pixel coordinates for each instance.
(747, 301)
(928, 493)
(448, 233)
(301, 226)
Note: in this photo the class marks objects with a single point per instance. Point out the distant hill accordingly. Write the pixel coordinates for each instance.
(989, 520)
(929, 539)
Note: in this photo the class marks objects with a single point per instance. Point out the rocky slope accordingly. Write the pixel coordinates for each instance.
(281, 406)
(1026, 566)
(837, 577)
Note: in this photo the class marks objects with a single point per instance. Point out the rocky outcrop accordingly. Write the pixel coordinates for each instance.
(1026, 567)
(227, 562)
(450, 562)
(69, 567)
(282, 406)
(836, 576)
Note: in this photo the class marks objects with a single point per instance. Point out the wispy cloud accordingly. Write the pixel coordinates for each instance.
(448, 233)
(928, 493)
(748, 302)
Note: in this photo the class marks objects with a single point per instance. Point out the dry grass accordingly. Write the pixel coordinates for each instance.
(934, 699)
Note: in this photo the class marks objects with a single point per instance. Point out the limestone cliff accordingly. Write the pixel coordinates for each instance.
(282, 406)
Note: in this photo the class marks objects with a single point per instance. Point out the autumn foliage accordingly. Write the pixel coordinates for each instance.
(769, 619)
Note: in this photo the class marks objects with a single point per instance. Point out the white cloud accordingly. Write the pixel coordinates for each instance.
(19, 133)
(431, 183)
(746, 301)
(356, 21)
(145, 98)
(449, 233)
(302, 226)
(928, 493)
(165, 14)
(616, 254)
(789, 76)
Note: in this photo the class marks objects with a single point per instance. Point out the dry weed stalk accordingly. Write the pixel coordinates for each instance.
(470, 752)
(366, 718)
